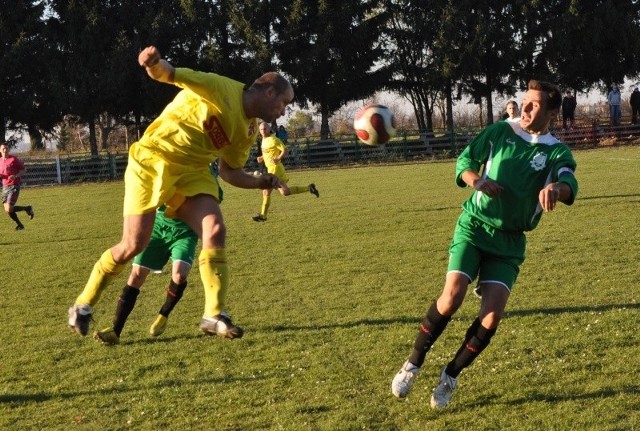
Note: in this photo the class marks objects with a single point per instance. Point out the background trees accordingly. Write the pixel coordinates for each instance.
(77, 59)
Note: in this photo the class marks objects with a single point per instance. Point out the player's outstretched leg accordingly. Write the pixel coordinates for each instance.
(214, 272)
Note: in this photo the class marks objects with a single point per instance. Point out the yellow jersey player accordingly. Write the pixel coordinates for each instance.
(273, 151)
(212, 118)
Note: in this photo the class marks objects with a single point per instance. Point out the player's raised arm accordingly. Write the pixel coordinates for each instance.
(157, 68)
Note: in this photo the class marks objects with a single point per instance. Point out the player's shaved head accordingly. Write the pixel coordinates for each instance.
(272, 79)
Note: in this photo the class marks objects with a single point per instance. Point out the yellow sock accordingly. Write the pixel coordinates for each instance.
(266, 202)
(298, 189)
(214, 272)
(104, 271)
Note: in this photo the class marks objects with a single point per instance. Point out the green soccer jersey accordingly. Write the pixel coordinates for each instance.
(522, 164)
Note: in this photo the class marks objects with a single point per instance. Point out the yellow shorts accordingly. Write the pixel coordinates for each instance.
(278, 171)
(150, 181)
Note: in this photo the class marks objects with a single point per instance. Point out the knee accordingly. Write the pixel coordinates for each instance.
(491, 320)
(128, 249)
(216, 234)
(453, 295)
(179, 278)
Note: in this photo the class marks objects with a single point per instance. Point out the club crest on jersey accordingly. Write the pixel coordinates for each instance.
(214, 130)
(539, 161)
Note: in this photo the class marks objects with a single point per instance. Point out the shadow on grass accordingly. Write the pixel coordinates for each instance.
(20, 399)
(633, 195)
(363, 322)
(415, 320)
(577, 309)
(555, 398)
(23, 399)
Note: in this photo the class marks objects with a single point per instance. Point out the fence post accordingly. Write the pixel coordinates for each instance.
(67, 170)
(308, 152)
(58, 170)
(112, 166)
(453, 144)
(405, 146)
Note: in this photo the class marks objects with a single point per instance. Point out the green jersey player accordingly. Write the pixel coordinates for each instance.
(518, 170)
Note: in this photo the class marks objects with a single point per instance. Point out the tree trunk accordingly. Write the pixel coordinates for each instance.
(93, 142)
(489, 101)
(449, 99)
(35, 138)
(324, 122)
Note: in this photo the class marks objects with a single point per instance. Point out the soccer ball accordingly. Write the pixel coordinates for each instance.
(374, 124)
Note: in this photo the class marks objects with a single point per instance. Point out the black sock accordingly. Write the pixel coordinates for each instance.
(18, 208)
(174, 293)
(15, 218)
(126, 302)
(430, 329)
(476, 340)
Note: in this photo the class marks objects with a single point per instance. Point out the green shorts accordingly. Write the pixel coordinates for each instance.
(166, 242)
(482, 251)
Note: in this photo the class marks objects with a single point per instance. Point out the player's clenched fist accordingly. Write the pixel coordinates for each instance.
(149, 56)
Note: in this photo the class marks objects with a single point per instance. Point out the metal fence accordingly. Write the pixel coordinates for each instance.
(309, 153)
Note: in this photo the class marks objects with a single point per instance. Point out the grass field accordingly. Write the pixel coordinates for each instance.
(330, 292)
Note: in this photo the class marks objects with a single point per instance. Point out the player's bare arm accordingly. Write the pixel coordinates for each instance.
(157, 68)
(239, 178)
(484, 185)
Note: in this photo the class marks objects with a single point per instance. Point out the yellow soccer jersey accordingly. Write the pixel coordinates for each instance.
(205, 121)
(271, 147)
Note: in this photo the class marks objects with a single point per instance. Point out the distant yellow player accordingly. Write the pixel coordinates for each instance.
(273, 151)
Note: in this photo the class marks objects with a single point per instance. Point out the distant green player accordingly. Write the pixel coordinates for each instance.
(273, 151)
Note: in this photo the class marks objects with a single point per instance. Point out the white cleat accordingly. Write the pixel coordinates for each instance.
(401, 384)
(443, 392)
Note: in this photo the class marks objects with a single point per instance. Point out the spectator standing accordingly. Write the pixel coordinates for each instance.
(282, 134)
(615, 100)
(568, 110)
(634, 101)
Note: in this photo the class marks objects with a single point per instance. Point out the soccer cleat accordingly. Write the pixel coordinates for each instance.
(443, 392)
(19, 227)
(401, 384)
(30, 212)
(259, 217)
(79, 318)
(221, 326)
(314, 190)
(107, 336)
(158, 326)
